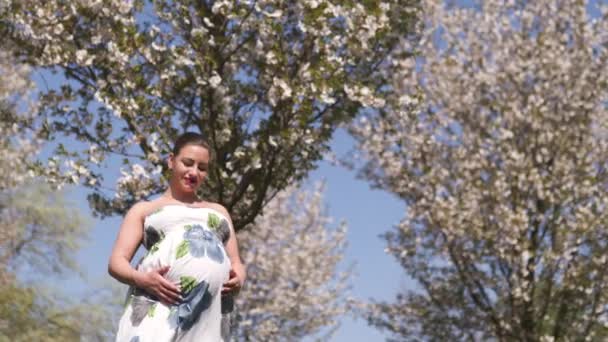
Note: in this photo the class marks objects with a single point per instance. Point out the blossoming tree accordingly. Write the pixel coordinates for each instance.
(294, 288)
(497, 141)
(38, 234)
(266, 81)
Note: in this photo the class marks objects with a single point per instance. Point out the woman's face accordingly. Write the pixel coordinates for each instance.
(189, 167)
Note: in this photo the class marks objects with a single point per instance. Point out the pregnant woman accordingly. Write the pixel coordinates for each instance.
(192, 260)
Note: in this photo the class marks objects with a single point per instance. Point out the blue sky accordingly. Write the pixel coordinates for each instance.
(368, 213)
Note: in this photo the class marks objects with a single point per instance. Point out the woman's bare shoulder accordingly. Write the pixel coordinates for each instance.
(216, 206)
(144, 208)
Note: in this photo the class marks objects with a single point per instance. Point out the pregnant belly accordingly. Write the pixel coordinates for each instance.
(193, 256)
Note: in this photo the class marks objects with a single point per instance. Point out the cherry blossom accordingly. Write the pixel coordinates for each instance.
(495, 139)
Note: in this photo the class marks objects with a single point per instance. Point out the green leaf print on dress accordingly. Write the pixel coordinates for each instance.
(187, 283)
(213, 221)
(182, 249)
(220, 226)
(151, 310)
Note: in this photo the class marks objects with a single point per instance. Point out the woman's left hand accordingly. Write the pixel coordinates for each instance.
(236, 280)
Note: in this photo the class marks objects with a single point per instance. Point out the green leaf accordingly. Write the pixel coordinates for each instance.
(213, 221)
(182, 249)
(151, 310)
(187, 283)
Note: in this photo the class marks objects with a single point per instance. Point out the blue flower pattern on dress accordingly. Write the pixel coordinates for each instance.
(203, 242)
(195, 302)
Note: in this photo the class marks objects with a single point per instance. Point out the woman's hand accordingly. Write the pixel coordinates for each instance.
(155, 283)
(236, 280)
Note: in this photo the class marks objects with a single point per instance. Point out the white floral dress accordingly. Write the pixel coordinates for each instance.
(191, 241)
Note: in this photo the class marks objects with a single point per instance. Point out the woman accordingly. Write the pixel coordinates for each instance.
(192, 258)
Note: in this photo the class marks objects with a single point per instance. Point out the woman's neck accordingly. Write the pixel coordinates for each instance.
(175, 195)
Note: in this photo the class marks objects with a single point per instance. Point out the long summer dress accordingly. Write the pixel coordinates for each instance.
(191, 241)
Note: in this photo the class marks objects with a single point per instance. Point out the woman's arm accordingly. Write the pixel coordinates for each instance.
(238, 272)
(119, 266)
(129, 238)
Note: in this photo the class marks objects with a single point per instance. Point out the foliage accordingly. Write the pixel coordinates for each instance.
(33, 313)
(38, 231)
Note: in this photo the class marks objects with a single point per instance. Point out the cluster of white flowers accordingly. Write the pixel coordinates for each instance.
(138, 182)
(292, 256)
(15, 106)
(364, 95)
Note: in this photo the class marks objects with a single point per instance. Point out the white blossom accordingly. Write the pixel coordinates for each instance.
(292, 256)
(215, 80)
(491, 137)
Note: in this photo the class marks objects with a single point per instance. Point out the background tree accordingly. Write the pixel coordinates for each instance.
(498, 146)
(294, 289)
(38, 235)
(15, 91)
(266, 81)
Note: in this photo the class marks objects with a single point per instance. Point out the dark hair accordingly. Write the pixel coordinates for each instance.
(190, 138)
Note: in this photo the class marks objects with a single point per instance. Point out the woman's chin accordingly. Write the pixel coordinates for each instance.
(187, 188)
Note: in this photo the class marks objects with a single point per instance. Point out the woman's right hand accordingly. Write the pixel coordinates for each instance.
(155, 283)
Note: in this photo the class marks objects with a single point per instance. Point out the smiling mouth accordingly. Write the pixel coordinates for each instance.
(191, 181)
